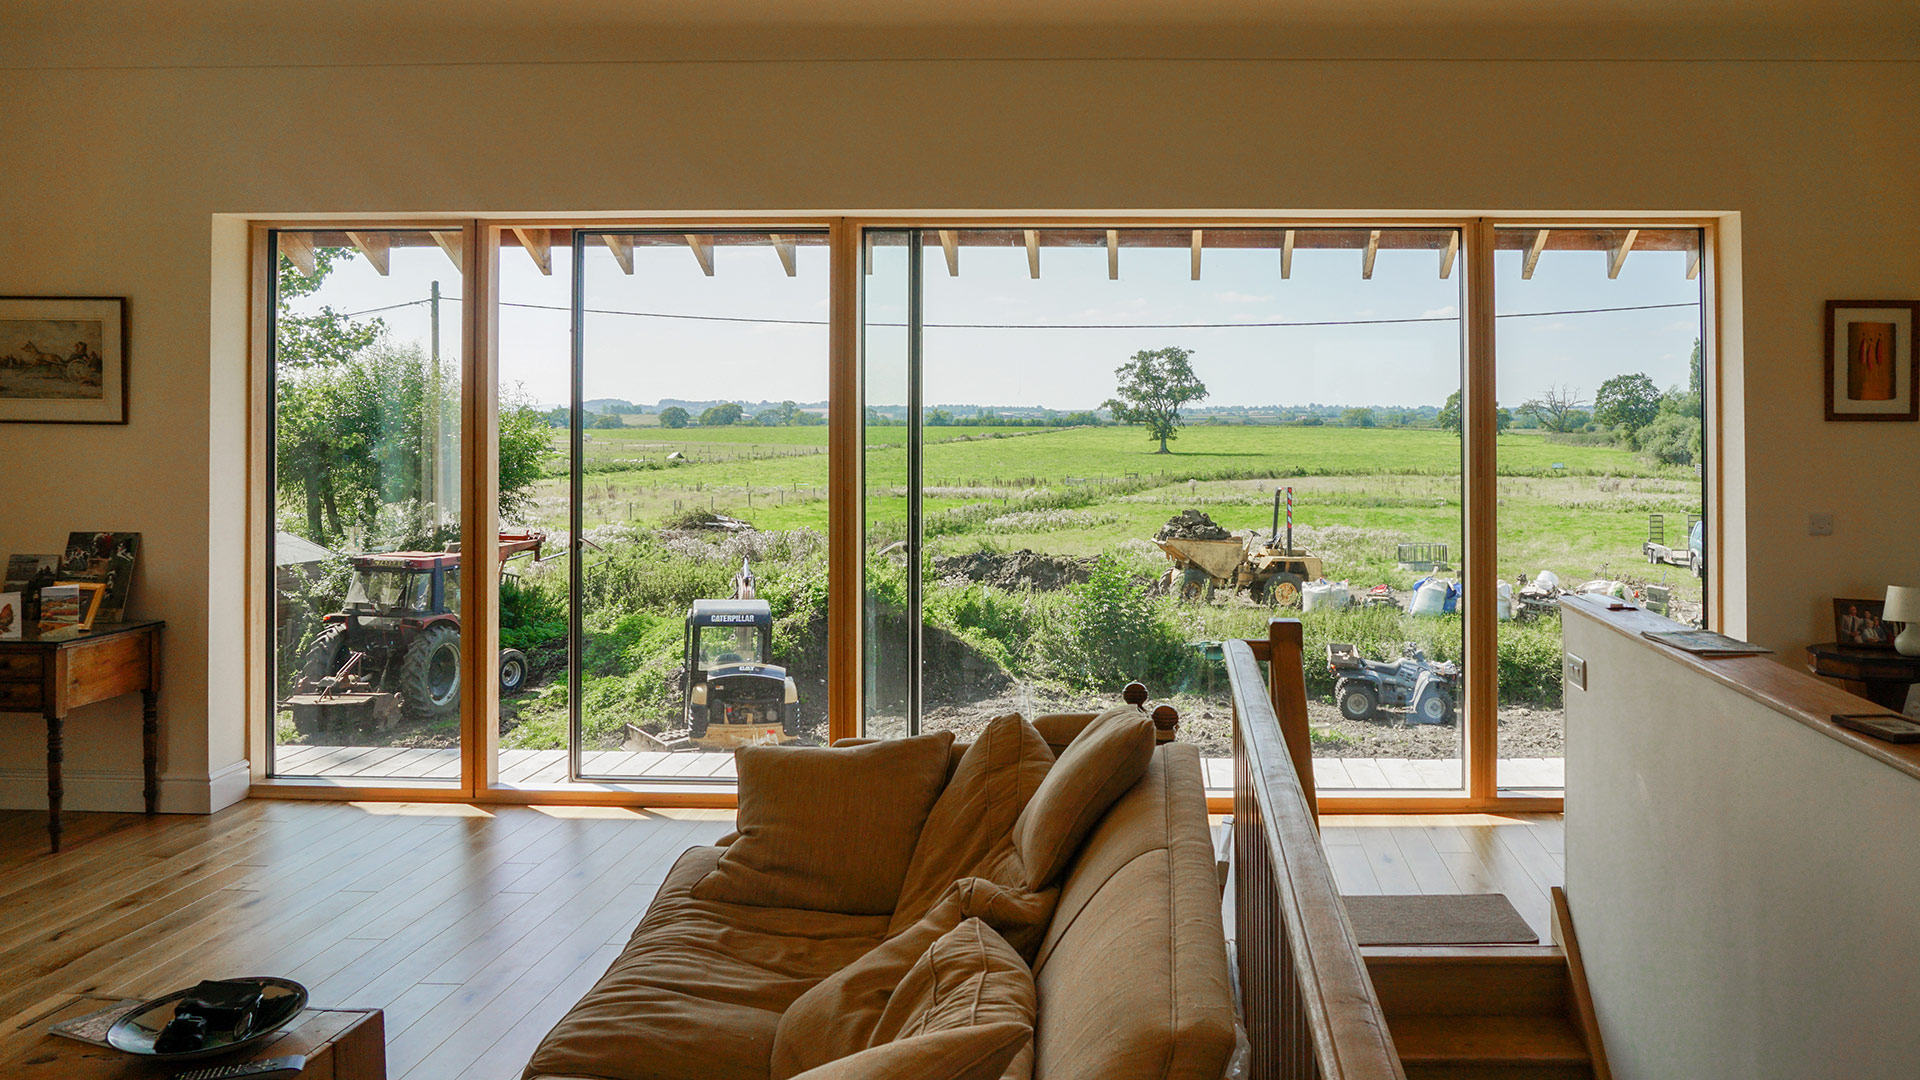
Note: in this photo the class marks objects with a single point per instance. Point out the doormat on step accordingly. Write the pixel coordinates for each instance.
(1473, 919)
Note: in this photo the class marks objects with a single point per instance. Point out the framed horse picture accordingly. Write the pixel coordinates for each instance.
(63, 360)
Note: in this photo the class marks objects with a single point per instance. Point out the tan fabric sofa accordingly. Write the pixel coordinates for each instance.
(1131, 975)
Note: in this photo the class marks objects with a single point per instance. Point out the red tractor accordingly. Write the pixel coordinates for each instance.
(395, 651)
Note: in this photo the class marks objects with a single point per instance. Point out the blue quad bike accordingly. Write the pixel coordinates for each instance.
(1362, 686)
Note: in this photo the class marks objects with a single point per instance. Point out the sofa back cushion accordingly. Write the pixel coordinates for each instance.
(1101, 763)
(1132, 974)
(828, 829)
(968, 977)
(969, 832)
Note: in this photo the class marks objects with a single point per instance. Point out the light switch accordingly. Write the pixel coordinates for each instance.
(1819, 524)
(1575, 671)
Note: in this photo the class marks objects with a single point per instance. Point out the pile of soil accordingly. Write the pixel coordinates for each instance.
(697, 520)
(1021, 569)
(1191, 525)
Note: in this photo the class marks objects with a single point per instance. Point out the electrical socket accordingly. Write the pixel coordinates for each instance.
(1575, 671)
(1819, 524)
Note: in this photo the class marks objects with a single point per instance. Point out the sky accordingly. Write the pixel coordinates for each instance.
(645, 359)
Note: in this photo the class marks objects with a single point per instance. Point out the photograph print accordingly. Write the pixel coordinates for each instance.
(1857, 624)
(63, 360)
(103, 558)
(1871, 364)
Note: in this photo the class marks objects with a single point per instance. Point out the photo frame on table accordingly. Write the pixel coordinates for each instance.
(63, 359)
(91, 596)
(13, 616)
(1872, 366)
(1857, 624)
(106, 558)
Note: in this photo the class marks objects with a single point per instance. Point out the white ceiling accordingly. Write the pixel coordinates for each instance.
(70, 33)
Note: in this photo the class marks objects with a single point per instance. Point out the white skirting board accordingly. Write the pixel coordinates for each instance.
(123, 792)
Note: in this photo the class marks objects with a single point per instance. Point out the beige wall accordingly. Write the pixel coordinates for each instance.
(110, 181)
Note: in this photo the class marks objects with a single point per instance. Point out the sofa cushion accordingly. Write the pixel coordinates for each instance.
(968, 832)
(698, 991)
(828, 829)
(968, 977)
(844, 1013)
(1101, 763)
(971, 1053)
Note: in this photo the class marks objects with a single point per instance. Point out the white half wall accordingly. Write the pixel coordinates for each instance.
(1743, 886)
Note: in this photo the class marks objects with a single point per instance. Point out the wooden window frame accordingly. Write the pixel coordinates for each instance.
(479, 324)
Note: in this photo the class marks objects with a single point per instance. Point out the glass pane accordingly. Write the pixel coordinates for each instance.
(702, 499)
(1600, 461)
(365, 385)
(886, 350)
(536, 385)
(1070, 547)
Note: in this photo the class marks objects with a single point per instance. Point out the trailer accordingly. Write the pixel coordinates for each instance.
(1691, 554)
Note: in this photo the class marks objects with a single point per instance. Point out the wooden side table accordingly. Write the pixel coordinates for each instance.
(55, 677)
(339, 1044)
(1882, 676)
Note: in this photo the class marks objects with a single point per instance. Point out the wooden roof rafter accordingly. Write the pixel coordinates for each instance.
(1196, 254)
(785, 249)
(950, 244)
(1448, 254)
(298, 249)
(538, 244)
(702, 248)
(1286, 256)
(621, 247)
(1372, 253)
(1032, 238)
(1617, 258)
(1113, 254)
(375, 248)
(1532, 259)
(454, 243)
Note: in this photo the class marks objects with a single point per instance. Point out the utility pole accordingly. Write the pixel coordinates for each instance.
(431, 462)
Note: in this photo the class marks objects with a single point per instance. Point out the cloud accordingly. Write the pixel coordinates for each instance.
(1447, 312)
(1240, 298)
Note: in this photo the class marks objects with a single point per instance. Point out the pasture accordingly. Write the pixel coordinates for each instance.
(1580, 511)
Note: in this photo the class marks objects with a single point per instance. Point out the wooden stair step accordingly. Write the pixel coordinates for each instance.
(1456, 1047)
(1527, 980)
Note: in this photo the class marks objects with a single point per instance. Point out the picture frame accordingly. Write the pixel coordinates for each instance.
(1857, 624)
(106, 558)
(63, 359)
(92, 595)
(13, 616)
(1872, 366)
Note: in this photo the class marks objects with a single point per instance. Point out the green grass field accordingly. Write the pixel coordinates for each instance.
(1580, 511)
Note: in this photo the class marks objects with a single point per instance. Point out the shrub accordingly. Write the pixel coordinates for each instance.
(1108, 633)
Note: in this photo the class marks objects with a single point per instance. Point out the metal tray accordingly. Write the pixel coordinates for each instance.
(134, 1033)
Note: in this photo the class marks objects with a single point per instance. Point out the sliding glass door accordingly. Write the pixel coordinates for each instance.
(365, 678)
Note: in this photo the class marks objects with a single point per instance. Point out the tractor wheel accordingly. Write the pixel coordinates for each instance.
(430, 675)
(1358, 701)
(513, 671)
(1284, 590)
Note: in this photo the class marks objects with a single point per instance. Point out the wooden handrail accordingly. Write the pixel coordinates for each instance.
(1311, 1011)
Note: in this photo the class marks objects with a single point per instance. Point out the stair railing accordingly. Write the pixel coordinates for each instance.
(1311, 1011)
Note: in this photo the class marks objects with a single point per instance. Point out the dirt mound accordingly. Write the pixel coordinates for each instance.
(1191, 525)
(697, 520)
(1021, 569)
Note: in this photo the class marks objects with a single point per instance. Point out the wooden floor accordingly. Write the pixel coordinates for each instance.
(1521, 855)
(548, 768)
(473, 928)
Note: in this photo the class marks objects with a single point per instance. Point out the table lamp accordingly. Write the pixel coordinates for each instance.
(1903, 606)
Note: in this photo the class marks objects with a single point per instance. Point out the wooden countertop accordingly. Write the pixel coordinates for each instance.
(1764, 679)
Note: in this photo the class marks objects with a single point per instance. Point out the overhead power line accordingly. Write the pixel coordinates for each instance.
(1055, 326)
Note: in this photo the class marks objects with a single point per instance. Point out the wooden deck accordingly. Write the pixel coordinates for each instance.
(548, 768)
